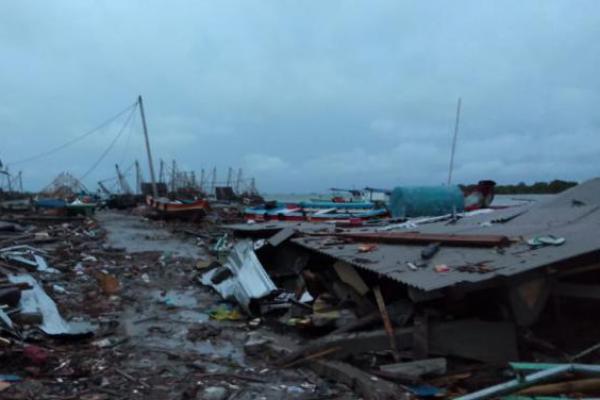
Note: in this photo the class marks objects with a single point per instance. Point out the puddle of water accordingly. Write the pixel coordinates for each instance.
(136, 235)
(164, 321)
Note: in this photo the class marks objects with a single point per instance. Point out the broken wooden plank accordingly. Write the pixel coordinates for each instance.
(387, 323)
(417, 369)
(281, 236)
(312, 357)
(493, 342)
(359, 323)
(400, 312)
(352, 343)
(350, 276)
(364, 384)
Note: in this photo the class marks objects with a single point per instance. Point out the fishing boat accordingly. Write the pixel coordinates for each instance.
(78, 207)
(59, 206)
(355, 195)
(479, 196)
(318, 211)
(191, 210)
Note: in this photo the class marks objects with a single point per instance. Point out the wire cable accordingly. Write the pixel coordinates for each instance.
(110, 146)
(77, 139)
(130, 132)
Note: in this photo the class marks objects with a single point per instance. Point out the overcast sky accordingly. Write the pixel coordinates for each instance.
(305, 95)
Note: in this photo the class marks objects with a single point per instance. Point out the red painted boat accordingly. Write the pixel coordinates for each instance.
(189, 210)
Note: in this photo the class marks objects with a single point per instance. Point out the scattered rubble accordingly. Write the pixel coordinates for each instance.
(477, 306)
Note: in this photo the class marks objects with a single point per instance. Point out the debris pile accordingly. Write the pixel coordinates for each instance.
(472, 305)
(428, 306)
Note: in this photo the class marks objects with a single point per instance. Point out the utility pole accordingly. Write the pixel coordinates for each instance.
(202, 180)
(454, 142)
(150, 163)
(173, 175)
(21, 181)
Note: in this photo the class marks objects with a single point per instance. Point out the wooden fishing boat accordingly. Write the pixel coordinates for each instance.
(320, 211)
(191, 210)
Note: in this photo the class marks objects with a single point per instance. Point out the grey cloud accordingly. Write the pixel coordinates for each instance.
(307, 95)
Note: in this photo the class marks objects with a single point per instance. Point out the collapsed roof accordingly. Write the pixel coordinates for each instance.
(573, 215)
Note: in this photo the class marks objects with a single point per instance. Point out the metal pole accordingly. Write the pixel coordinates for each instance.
(161, 173)
(214, 180)
(229, 176)
(122, 181)
(8, 180)
(454, 142)
(238, 182)
(21, 181)
(173, 175)
(150, 163)
(138, 178)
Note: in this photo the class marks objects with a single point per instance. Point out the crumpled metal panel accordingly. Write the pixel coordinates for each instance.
(35, 300)
(27, 255)
(248, 279)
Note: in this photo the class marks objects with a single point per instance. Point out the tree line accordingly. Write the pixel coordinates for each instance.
(555, 186)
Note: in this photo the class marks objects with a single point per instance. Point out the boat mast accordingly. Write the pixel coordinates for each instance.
(150, 163)
(454, 142)
(229, 176)
(214, 180)
(238, 181)
(8, 179)
(138, 178)
(173, 176)
(122, 181)
(161, 173)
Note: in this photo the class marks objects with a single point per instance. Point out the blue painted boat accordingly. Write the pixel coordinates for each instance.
(314, 211)
(324, 204)
(51, 203)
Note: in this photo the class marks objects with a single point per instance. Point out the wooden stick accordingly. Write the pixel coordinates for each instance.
(387, 323)
(131, 378)
(312, 356)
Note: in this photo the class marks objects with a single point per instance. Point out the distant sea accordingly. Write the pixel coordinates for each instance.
(499, 200)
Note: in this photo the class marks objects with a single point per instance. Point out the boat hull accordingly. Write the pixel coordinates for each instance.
(177, 210)
(293, 212)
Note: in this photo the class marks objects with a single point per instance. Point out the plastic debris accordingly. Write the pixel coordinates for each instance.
(545, 240)
(442, 268)
(225, 313)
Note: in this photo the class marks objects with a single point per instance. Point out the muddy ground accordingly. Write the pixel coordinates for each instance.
(156, 338)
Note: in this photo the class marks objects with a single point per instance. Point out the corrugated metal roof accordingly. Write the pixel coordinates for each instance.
(573, 215)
